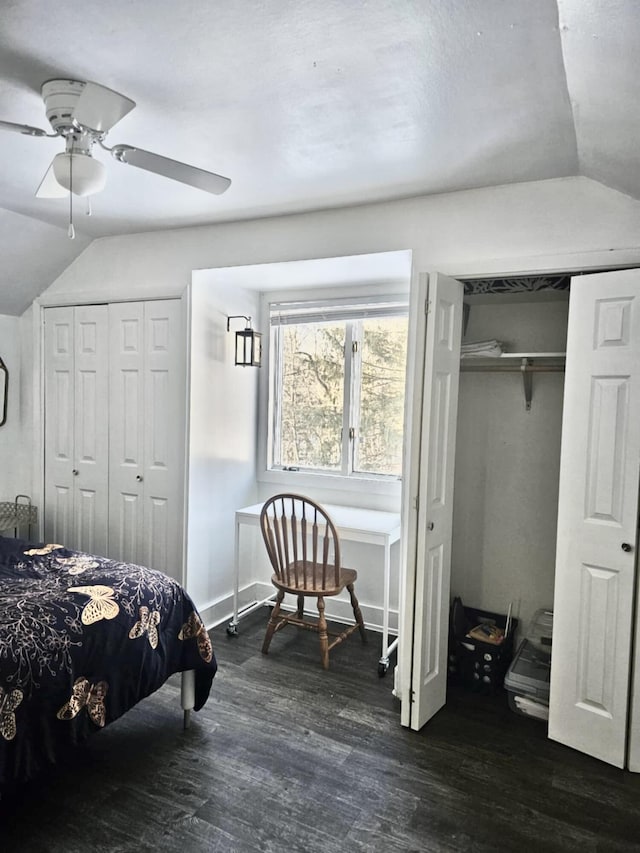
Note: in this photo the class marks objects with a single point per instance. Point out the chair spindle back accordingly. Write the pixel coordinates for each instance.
(300, 537)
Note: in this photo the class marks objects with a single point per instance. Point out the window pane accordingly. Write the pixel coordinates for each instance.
(384, 359)
(312, 395)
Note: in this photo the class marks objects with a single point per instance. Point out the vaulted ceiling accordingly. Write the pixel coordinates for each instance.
(309, 105)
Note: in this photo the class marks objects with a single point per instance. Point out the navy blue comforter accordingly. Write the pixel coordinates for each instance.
(82, 639)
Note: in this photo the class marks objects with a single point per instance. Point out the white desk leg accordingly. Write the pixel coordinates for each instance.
(383, 663)
(232, 627)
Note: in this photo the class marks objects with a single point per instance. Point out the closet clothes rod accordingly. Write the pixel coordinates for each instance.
(524, 363)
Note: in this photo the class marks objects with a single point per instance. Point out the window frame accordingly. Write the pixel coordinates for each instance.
(382, 484)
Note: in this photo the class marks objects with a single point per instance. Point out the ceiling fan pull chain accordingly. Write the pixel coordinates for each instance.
(71, 232)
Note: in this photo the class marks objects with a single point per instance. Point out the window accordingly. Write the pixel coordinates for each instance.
(337, 387)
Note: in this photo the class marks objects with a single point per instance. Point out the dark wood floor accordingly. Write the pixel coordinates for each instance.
(287, 757)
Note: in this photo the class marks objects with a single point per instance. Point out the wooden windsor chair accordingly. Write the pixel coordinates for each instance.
(304, 550)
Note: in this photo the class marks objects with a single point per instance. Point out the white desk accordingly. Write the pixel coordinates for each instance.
(354, 524)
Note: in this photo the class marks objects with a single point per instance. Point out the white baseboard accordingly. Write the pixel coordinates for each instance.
(339, 610)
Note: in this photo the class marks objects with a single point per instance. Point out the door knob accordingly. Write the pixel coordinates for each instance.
(75, 472)
(627, 547)
(430, 525)
(139, 478)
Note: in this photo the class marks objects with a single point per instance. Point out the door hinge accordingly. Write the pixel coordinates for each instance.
(426, 306)
(412, 696)
(354, 346)
(352, 432)
(415, 501)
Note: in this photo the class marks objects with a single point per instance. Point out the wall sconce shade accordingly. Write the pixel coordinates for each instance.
(248, 343)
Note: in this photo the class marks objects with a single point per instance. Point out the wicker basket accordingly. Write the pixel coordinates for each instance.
(17, 513)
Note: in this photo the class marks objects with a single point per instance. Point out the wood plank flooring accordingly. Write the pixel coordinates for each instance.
(287, 757)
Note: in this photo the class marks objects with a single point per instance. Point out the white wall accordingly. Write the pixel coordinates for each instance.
(463, 233)
(222, 443)
(507, 467)
(457, 233)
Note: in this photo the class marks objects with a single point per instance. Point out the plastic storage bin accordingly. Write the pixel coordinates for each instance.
(527, 679)
(541, 630)
(479, 666)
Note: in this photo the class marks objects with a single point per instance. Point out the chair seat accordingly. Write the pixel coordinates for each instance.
(313, 584)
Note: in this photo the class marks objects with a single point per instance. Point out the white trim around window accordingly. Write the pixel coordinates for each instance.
(313, 304)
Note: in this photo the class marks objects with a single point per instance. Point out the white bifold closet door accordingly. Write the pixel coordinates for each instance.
(115, 410)
(76, 427)
(428, 498)
(597, 518)
(146, 434)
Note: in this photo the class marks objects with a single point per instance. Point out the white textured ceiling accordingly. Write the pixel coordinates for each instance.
(309, 104)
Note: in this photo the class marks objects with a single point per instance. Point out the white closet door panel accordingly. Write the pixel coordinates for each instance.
(59, 424)
(89, 521)
(597, 516)
(425, 605)
(58, 520)
(125, 526)
(91, 428)
(60, 433)
(126, 437)
(164, 415)
(159, 534)
(159, 430)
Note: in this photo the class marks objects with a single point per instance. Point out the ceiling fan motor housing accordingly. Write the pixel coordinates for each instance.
(60, 98)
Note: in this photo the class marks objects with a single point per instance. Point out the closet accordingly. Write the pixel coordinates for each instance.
(115, 405)
(507, 453)
(543, 509)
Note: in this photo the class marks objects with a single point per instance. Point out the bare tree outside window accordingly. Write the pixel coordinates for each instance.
(381, 422)
(312, 395)
(323, 425)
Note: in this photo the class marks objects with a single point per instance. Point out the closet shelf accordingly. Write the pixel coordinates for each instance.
(525, 363)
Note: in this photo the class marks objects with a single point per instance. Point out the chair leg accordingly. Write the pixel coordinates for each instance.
(300, 613)
(273, 621)
(322, 633)
(356, 612)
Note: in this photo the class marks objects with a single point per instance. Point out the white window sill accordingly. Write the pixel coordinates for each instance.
(294, 480)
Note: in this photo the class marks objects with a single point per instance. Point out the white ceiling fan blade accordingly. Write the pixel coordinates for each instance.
(49, 187)
(198, 178)
(27, 129)
(99, 108)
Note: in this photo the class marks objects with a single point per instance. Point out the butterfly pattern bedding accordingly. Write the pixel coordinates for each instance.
(82, 640)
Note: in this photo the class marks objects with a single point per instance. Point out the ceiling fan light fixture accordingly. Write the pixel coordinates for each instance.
(88, 175)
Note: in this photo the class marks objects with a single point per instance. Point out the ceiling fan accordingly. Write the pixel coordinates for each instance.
(82, 113)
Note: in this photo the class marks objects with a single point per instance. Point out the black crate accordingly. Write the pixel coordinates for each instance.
(477, 665)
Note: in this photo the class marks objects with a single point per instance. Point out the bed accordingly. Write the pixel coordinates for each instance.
(83, 639)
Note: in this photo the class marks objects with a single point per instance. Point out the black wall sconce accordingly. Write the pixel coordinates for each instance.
(248, 343)
(4, 392)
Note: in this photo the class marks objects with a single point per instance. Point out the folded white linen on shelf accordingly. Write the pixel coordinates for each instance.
(481, 349)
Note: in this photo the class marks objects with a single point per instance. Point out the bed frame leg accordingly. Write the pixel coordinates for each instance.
(188, 695)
